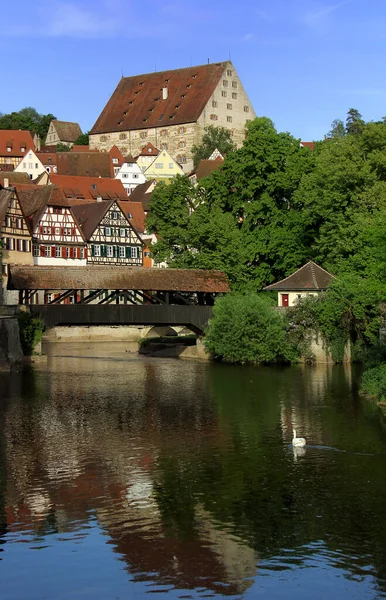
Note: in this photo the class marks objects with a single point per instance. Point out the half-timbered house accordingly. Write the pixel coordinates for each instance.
(15, 237)
(56, 237)
(111, 238)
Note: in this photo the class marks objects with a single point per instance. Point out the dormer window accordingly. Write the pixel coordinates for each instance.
(22, 148)
(93, 186)
(9, 149)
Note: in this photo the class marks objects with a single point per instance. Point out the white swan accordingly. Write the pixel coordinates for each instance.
(298, 442)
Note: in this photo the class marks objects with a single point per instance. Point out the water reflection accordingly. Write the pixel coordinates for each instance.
(187, 470)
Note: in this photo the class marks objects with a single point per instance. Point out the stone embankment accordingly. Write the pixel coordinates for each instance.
(10, 348)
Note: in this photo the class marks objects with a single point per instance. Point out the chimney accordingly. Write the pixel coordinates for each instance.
(6, 182)
(164, 93)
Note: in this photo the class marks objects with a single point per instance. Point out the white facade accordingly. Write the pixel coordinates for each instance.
(57, 240)
(291, 298)
(130, 174)
(30, 164)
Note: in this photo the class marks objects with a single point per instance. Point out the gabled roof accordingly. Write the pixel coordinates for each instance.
(310, 145)
(135, 214)
(88, 216)
(206, 167)
(5, 197)
(90, 188)
(149, 150)
(84, 164)
(142, 193)
(137, 102)
(116, 278)
(66, 130)
(33, 200)
(129, 159)
(16, 140)
(14, 178)
(309, 277)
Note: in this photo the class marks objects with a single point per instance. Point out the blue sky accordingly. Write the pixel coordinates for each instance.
(302, 62)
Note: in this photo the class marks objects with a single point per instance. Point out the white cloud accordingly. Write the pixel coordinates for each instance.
(70, 20)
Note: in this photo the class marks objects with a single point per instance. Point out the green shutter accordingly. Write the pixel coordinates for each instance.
(128, 253)
(92, 250)
(115, 251)
(103, 251)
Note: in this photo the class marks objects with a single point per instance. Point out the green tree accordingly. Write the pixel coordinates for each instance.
(354, 122)
(247, 329)
(337, 130)
(62, 147)
(83, 139)
(214, 137)
(29, 119)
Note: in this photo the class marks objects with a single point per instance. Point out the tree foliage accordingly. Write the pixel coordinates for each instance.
(83, 139)
(60, 147)
(214, 137)
(247, 329)
(29, 119)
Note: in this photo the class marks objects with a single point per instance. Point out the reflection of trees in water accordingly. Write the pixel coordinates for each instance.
(93, 442)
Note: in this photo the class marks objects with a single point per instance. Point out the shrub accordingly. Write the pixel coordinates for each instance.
(248, 329)
(31, 331)
(374, 382)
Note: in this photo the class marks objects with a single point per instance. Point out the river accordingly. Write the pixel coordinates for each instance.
(122, 476)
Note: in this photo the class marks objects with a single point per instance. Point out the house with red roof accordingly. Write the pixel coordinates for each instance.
(13, 145)
(170, 109)
(89, 188)
(309, 280)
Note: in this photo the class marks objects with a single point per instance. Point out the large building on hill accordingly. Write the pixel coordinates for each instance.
(170, 109)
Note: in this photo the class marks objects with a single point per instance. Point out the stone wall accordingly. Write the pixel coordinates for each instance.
(10, 348)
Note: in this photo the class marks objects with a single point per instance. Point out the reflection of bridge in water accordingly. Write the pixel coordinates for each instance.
(118, 295)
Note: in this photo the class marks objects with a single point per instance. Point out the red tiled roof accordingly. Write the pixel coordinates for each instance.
(137, 102)
(116, 278)
(137, 218)
(14, 178)
(7, 168)
(90, 188)
(48, 158)
(66, 130)
(16, 140)
(206, 167)
(309, 277)
(82, 148)
(310, 145)
(84, 164)
(149, 150)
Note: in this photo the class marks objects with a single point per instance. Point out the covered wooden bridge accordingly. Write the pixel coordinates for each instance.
(101, 295)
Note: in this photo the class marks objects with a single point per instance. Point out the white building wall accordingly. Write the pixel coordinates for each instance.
(52, 261)
(293, 297)
(130, 175)
(31, 165)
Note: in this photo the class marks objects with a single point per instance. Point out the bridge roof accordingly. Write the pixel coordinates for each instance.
(116, 278)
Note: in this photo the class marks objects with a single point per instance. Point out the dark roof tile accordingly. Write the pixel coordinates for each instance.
(309, 277)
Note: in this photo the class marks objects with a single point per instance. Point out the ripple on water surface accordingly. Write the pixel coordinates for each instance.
(126, 476)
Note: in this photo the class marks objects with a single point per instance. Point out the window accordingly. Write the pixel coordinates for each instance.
(30, 165)
(143, 135)
(224, 94)
(57, 230)
(225, 82)
(122, 136)
(9, 222)
(36, 250)
(22, 148)
(134, 251)
(58, 251)
(122, 232)
(20, 245)
(181, 144)
(116, 170)
(246, 108)
(114, 215)
(81, 253)
(19, 224)
(129, 216)
(109, 251)
(171, 165)
(214, 103)
(47, 251)
(49, 298)
(183, 159)
(135, 175)
(122, 253)
(97, 250)
(46, 230)
(164, 146)
(234, 95)
(229, 106)
(213, 117)
(115, 161)
(103, 138)
(9, 149)
(163, 133)
(181, 130)
(229, 72)
(159, 165)
(67, 252)
(27, 247)
(229, 119)
(125, 175)
(234, 84)
(36, 166)
(107, 231)
(66, 231)
(149, 158)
